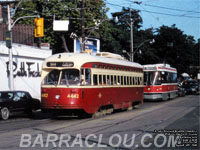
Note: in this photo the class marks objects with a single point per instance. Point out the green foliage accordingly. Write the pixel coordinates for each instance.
(62, 10)
(115, 36)
(171, 45)
(175, 48)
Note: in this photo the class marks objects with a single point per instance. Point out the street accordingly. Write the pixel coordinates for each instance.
(115, 131)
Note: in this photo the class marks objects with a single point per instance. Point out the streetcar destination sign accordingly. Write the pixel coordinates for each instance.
(60, 64)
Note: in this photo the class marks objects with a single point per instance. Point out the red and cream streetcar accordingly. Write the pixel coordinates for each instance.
(80, 82)
(160, 82)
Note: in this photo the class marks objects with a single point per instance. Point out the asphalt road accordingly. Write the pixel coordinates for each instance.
(153, 125)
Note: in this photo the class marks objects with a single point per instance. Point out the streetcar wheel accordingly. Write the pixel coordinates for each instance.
(84, 115)
(136, 106)
(5, 113)
(97, 114)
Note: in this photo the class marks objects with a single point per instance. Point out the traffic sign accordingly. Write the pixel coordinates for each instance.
(9, 39)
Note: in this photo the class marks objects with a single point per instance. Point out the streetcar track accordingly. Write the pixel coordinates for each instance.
(107, 126)
(88, 120)
(77, 122)
(142, 131)
(117, 123)
(158, 123)
(146, 130)
(112, 124)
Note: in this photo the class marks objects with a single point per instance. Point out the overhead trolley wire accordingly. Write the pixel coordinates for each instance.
(161, 13)
(171, 8)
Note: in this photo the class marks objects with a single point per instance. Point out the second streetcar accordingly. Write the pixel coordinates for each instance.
(160, 82)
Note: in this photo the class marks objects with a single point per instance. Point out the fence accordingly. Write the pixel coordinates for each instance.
(23, 34)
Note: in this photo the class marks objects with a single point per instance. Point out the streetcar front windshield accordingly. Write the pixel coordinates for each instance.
(62, 77)
(149, 77)
(70, 77)
(52, 78)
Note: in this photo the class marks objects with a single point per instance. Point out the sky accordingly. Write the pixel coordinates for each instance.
(155, 13)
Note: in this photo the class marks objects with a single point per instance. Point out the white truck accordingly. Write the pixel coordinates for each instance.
(27, 64)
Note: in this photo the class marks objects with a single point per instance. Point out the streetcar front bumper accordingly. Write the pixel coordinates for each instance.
(153, 96)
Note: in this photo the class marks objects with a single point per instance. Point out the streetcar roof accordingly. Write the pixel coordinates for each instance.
(159, 67)
(81, 58)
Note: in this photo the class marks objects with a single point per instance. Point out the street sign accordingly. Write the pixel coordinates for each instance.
(9, 39)
(60, 25)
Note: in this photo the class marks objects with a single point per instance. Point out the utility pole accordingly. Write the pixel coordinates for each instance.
(9, 40)
(83, 26)
(131, 37)
(10, 51)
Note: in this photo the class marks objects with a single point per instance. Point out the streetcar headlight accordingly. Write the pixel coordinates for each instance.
(57, 96)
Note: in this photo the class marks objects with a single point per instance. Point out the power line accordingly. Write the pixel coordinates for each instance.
(169, 14)
(157, 18)
(161, 13)
(171, 8)
(168, 8)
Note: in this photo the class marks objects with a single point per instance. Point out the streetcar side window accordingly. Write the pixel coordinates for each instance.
(85, 76)
(136, 80)
(125, 81)
(112, 80)
(100, 80)
(122, 80)
(128, 81)
(174, 78)
(104, 79)
(118, 80)
(88, 76)
(108, 80)
(82, 71)
(133, 79)
(95, 79)
(141, 82)
(115, 80)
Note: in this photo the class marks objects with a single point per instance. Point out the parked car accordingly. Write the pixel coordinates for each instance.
(191, 86)
(12, 102)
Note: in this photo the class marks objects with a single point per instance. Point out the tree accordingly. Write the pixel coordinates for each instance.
(174, 47)
(94, 10)
(115, 36)
(146, 54)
